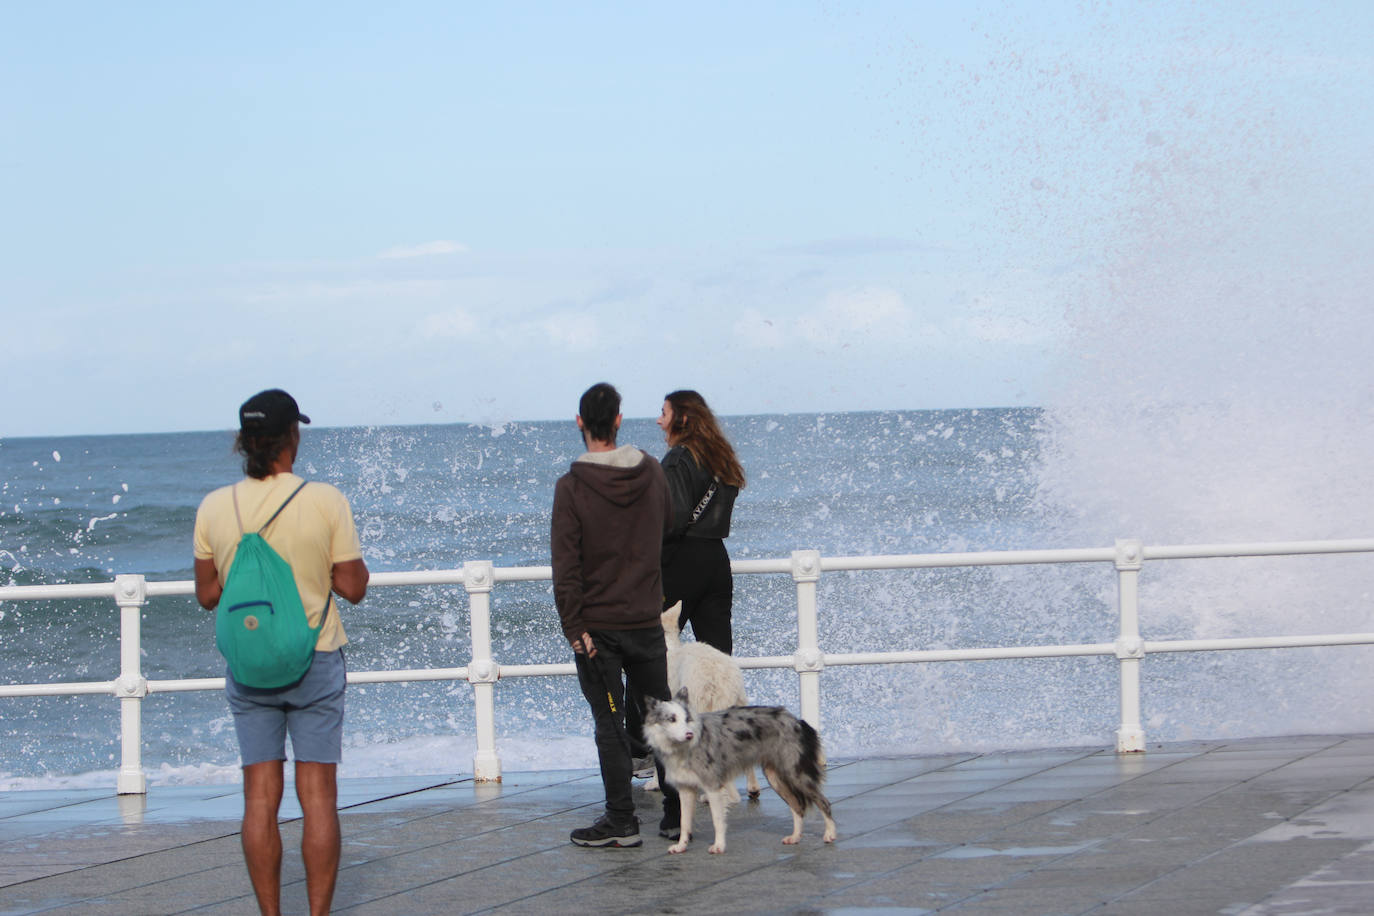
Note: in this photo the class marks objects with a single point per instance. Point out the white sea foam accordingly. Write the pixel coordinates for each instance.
(442, 756)
(1217, 387)
(453, 755)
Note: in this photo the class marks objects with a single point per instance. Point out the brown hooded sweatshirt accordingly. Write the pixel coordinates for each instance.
(610, 512)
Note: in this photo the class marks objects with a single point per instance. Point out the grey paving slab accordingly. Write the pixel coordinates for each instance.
(1266, 828)
(1342, 886)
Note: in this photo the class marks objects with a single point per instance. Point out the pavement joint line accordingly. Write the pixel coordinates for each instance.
(1223, 788)
(415, 791)
(414, 849)
(132, 887)
(549, 814)
(233, 833)
(637, 862)
(935, 852)
(1230, 845)
(465, 839)
(788, 855)
(474, 871)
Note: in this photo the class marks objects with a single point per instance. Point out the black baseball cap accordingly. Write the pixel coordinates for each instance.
(269, 413)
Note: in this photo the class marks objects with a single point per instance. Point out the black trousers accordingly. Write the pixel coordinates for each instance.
(640, 656)
(696, 571)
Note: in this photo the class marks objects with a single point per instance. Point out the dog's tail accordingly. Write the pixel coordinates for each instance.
(812, 753)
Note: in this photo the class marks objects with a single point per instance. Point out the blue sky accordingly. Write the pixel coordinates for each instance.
(440, 212)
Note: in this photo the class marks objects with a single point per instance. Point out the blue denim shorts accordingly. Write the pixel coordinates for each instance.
(310, 710)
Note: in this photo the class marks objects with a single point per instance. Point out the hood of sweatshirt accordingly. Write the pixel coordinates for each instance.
(619, 476)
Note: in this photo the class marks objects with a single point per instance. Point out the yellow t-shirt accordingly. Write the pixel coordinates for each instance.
(313, 533)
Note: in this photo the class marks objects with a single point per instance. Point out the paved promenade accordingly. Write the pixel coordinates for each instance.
(1268, 826)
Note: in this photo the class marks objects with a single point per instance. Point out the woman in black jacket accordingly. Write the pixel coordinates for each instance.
(704, 477)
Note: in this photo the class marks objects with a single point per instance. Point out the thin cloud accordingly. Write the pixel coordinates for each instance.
(1005, 329)
(455, 323)
(575, 331)
(856, 312)
(441, 246)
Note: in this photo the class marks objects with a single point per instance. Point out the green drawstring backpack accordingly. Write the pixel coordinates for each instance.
(260, 625)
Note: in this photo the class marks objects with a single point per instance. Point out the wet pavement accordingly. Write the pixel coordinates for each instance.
(1261, 827)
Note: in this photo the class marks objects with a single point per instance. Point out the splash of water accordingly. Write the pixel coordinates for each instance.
(1217, 385)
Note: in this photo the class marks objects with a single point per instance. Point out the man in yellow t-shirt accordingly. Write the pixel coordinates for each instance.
(316, 535)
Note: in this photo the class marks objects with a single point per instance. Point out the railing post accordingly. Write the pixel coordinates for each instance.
(806, 572)
(131, 594)
(1130, 648)
(483, 672)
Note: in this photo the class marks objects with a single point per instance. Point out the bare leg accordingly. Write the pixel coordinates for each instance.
(262, 788)
(689, 807)
(317, 790)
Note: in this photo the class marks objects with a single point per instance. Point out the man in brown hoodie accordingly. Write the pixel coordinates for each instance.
(609, 515)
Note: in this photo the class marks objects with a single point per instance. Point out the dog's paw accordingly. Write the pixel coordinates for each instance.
(791, 840)
(754, 793)
(717, 848)
(829, 836)
(678, 847)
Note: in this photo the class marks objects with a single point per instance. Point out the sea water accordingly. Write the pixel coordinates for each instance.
(1188, 235)
(82, 509)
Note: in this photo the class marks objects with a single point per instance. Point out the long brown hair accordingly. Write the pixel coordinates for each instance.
(694, 428)
(260, 452)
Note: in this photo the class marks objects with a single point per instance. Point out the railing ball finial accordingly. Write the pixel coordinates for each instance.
(131, 590)
(483, 671)
(806, 565)
(478, 576)
(1130, 554)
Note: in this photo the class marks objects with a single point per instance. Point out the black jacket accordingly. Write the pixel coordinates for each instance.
(687, 484)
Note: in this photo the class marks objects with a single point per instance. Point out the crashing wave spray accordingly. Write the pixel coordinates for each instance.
(1218, 381)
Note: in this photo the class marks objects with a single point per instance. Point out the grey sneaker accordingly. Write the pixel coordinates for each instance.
(643, 767)
(604, 833)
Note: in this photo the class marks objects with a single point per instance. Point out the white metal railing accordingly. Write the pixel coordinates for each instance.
(131, 593)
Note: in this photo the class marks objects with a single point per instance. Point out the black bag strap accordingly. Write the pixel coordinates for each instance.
(705, 501)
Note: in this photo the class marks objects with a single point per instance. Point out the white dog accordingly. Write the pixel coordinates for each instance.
(712, 678)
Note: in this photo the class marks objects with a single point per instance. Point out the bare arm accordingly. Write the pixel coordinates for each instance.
(208, 588)
(349, 580)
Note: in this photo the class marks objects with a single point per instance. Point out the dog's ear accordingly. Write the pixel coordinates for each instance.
(681, 695)
(650, 703)
(669, 617)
